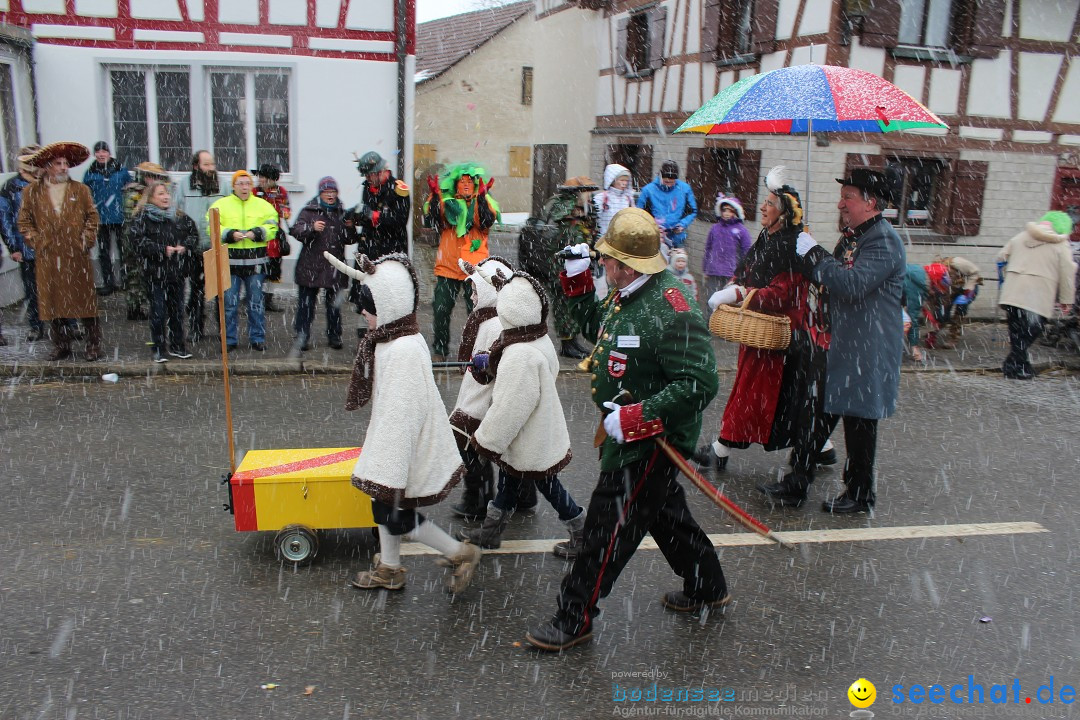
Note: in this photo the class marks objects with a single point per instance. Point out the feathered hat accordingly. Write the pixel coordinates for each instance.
(790, 202)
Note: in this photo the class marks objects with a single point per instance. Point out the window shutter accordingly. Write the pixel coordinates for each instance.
(642, 169)
(863, 160)
(964, 187)
(710, 30)
(621, 65)
(981, 26)
(763, 25)
(749, 180)
(657, 25)
(881, 23)
(696, 176)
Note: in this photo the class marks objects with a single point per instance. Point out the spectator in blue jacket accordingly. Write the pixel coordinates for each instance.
(10, 202)
(106, 179)
(671, 203)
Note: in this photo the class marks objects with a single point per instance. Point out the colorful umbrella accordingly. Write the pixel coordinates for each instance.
(808, 98)
(824, 97)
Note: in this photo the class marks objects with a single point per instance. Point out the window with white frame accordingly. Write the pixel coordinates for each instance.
(925, 22)
(151, 116)
(9, 135)
(249, 112)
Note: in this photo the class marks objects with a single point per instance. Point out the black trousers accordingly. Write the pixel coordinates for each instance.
(167, 313)
(860, 444)
(640, 498)
(1025, 327)
(395, 519)
(107, 235)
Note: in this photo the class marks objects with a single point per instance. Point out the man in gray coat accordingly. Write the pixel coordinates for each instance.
(864, 276)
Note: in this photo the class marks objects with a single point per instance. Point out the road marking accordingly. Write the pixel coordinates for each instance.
(903, 532)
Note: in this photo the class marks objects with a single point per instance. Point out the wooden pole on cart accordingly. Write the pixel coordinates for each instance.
(216, 265)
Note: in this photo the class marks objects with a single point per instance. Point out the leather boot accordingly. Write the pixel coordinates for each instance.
(572, 351)
(61, 340)
(489, 534)
(93, 339)
(569, 549)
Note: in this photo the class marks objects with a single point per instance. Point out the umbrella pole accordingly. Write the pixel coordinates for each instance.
(806, 193)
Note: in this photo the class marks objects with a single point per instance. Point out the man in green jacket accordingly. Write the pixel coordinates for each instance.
(653, 373)
(248, 223)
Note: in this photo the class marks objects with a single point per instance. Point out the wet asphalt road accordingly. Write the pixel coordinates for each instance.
(126, 593)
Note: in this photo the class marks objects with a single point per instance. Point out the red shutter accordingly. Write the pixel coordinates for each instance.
(657, 26)
(984, 21)
(881, 23)
(964, 186)
(710, 30)
(763, 25)
(622, 31)
(749, 180)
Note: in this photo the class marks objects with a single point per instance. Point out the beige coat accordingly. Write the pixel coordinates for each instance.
(1040, 268)
(61, 243)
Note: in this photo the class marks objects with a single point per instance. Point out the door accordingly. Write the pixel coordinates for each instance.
(424, 164)
(549, 172)
(1066, 197)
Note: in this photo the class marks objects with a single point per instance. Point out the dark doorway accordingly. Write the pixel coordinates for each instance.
(549, 172)
(635, 158)
(1066, 197)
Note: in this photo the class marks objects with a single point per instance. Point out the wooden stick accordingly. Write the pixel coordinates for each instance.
(723, 501)
(223, 281)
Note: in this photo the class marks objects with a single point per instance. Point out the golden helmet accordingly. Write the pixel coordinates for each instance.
(633, 238)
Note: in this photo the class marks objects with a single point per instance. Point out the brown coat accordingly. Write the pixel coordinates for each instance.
(61, 242)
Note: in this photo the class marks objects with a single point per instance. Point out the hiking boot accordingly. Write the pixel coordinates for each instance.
(679, 601)
(843, 504)
(569, 549)
(105, 290)
(258, 347)
(464, 564)
(380, 576)
(489, 534)
(550, 638)
(335, 343)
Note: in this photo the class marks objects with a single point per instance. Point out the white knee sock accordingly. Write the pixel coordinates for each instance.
(389, 548)
(435, 537)
(720, 449)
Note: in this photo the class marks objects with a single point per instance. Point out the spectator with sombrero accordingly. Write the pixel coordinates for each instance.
(59, 222)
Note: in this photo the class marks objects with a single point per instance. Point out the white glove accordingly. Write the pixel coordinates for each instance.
(728, 296)
(804, 244)
(613, 423)
(578, 265)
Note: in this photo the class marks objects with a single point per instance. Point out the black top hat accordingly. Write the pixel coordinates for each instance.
(872, 181)
(267, 170)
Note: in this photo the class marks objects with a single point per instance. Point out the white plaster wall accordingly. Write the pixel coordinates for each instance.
(691, 96)
(473, 112)
(1047, 19)
(988, 92)
(1068, 108)
(329, 98)
(671, 89)
(909, 78)
(693, 36)
(785, 19)
(866, 58)
(816, 17)
(944, 91)
(1037, 75)
(569, 51)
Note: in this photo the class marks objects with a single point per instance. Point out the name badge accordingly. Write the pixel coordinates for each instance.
(629, 341)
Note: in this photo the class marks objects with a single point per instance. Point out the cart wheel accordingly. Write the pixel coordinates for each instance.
(296, 544)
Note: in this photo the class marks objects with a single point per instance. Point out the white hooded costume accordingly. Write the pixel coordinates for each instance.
(481, 330)
(611, 200)
(409, 456)
(524, 431)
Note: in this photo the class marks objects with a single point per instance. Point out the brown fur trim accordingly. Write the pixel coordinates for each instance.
(394, 497)
(472, 327)
(523, 474)
(464, 426)
(363, 372)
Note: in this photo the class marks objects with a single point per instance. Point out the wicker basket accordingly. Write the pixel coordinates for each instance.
(753, 329)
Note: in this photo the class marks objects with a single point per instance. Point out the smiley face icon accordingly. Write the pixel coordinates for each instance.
(862, 693)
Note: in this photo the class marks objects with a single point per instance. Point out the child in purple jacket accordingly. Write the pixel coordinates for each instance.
(728, 243)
